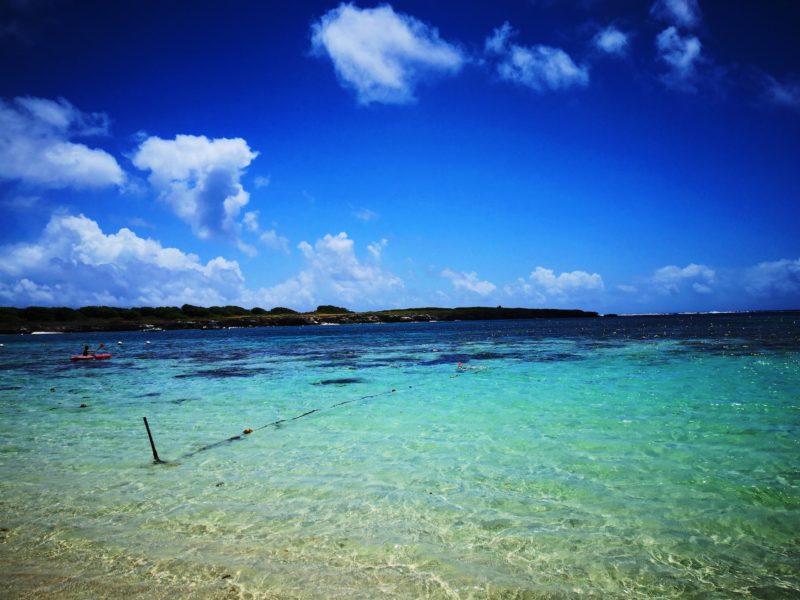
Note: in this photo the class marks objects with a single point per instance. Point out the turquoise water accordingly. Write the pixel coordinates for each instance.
(614, 458)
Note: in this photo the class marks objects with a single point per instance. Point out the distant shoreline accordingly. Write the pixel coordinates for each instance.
(41, 320)
(36, 320)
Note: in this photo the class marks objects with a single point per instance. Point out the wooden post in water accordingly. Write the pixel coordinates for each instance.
(152, 444)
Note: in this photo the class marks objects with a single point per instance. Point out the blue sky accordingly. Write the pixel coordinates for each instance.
(611, 156)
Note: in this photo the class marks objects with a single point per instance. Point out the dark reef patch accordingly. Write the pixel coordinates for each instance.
(734, 347)
(180, 400)
(402, 360)
(376, 363)
(554, 357)
(339, 364)
(223, 373)
(446, 359)
(340, 381)
(497, 356)
(600, 345)
(203, 356)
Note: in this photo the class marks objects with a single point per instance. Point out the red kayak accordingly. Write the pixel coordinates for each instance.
(90, 357)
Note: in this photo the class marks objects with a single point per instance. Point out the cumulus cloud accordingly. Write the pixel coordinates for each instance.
(776, 278)
(672, 279)
(380, 54)
(269, 238)
(250, 221)
(272, 240)
(540, 68)
(261, 182)
(199, 179)
(684, 13)
(565, 283)
(544, 283)
(22, 202)
(681, 54)
(611, 41)
(785, 94)
(35, 146)
(366, 215)
(333, 273)
(497, 43)
(75, 263)
(377, 248)
(469, 281)
(545, 286)
(769, 284)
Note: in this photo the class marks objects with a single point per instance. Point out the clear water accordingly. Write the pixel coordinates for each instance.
(614, 458)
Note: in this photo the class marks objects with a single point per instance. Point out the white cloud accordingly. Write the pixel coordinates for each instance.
(377, 248)
(497, 43)
(769, 284)
(250, 221)
(611, 41)
(776, 278)
(541, 68)
(550, 284)
(543, 285)
(672, 279)
(786, 94)
(272, 240)
(74, 263)
(681, 54)
(382, 55)
(261, 182)
(21, 202)
(333, 274)
(469, 281)
(60, 115)
(366, 215)
(140, 223)
(246, 248)
(199, 179)
(35, 145)
(684, 13)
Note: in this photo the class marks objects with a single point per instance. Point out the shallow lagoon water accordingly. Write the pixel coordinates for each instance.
(619, 457)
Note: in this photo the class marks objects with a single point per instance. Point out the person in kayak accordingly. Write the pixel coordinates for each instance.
(87, 352)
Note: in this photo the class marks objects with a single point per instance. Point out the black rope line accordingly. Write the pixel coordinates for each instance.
(280, 421)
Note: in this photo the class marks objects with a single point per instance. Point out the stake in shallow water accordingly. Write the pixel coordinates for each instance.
(152, 443)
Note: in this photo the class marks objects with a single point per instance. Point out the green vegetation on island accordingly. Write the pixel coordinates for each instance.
(108, 318)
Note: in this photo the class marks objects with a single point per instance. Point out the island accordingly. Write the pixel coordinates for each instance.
(35, 319)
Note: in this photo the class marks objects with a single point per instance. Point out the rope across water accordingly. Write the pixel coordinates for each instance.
(281, 421)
